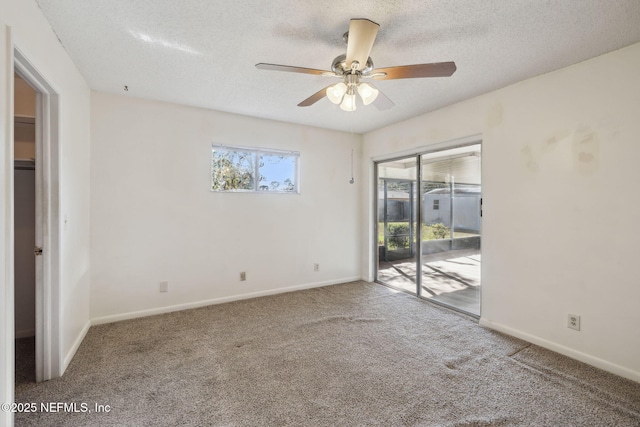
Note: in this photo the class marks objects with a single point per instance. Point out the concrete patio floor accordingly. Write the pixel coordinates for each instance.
(451, 278)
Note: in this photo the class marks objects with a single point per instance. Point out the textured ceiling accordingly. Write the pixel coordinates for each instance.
(203, 52)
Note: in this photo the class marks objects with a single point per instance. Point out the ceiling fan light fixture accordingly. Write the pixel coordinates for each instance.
(349, 102)
(336, 92)
(367, 93)
(355, 65)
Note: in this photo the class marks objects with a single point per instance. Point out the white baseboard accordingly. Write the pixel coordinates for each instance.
(25, 333)
(569, 352)
(204, 303)
(75, 346)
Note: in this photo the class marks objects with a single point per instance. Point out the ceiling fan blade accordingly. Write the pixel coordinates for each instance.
(437, 69)
(362, 34)
(314, 98)
(276, 67)
(382, 102)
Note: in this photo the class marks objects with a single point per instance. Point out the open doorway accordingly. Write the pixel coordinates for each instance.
(397, 223)
(451, 224)
(24, 225)
(36, 215)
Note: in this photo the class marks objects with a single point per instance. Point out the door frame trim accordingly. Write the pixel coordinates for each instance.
(49, 357)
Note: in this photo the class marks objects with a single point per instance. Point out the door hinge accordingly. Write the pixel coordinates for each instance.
(37, 250)
(480, 207)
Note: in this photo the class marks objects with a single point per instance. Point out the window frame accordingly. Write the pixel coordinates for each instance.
(257, 153)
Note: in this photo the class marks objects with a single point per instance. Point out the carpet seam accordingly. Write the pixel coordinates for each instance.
(519, 350)
(594, 392)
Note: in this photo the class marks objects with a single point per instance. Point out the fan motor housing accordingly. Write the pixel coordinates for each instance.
(340, 67)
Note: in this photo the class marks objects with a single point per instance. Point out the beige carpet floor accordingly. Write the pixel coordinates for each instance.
(357, 354)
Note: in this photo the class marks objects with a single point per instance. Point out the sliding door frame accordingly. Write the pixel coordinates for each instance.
(419, 226)
(417, 154)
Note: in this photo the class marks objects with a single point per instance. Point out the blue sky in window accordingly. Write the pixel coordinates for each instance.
(277, 168)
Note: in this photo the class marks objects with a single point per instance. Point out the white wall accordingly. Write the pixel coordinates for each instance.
(31, 33)
(155, 219)
(561, 204)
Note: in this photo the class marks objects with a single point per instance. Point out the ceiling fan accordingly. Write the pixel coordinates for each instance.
(356, 65)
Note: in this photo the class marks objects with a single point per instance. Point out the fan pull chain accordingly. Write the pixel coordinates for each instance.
(351, 181)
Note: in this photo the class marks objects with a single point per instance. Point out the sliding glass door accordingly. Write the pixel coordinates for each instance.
(429, 226)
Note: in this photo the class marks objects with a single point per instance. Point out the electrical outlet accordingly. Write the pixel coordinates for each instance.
(243, 276)
(573, 322)
(316, 267)
(164, 286)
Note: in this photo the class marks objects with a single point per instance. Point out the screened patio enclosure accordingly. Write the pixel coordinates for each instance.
(429, 226)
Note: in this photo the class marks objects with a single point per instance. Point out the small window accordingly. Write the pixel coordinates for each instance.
(238, 169)
(436, 205)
